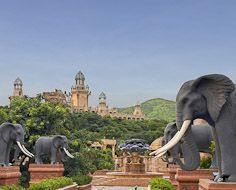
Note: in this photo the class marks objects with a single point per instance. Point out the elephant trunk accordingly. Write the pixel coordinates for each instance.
(165, 158)
(190, 151)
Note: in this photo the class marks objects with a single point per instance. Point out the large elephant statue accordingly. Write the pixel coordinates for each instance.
(202, 137)
(11, 134)
(53, 147)
(212, 98)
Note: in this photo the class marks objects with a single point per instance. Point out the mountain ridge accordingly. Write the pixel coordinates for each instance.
(155, 108)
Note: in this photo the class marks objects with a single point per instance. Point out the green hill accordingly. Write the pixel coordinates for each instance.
(157, 108)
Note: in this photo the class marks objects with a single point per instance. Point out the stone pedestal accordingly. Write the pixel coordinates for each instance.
(135, 168)
(40, 172)
(134, 164)
(207, 184)
(188, 180)
(9, 175)
(172, 172)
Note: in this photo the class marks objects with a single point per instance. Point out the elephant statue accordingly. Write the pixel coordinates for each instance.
(212, 98)
(202, 137)
(11, 134)
(53, 147)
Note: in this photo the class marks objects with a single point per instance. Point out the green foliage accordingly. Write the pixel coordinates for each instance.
(81, 164)
(161, 184)
(82, 179)
(25, 176)
(155, 109)
(40, 118)
(205, 162)
(213, 146)
(88, 160)
(103, 159)
(3, 114)
(51, 184)
(11, 187)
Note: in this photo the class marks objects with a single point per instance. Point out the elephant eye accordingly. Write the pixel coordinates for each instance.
(185, 100)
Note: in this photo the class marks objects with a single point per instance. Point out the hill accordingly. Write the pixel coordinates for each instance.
(157, 108)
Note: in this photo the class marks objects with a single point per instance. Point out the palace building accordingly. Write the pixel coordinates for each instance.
(78, 99)
(80, 102)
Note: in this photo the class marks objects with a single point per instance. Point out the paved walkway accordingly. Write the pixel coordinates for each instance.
(117, 188)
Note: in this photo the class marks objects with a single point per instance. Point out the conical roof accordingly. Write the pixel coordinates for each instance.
(18, 81)
(102, 96)
(79, 76)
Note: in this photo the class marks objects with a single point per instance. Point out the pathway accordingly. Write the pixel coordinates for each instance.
(117, 188)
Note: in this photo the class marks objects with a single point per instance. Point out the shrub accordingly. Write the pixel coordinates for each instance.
(82, 179)
(161, 184)
(52, 184)
(81, 164)
(205, 162)
(11, 187)
(25, 176)
(213, 146)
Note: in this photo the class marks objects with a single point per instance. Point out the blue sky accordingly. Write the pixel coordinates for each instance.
(133, 50)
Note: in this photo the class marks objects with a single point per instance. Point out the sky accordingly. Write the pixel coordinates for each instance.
(132, 50)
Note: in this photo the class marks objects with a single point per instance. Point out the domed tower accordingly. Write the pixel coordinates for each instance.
(18, 90)
(102, 108)
(80, 93)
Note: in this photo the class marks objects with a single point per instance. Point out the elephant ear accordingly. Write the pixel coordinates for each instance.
(216, 89)
(5, 131)
(56, 140)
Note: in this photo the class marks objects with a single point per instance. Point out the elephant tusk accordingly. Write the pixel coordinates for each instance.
(161, 154)
(175, 139)
(67, 153)
(27, 151)
(22, 149)
(154, 152)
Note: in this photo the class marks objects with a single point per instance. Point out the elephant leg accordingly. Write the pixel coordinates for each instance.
(53, 155)
(214, 162)
(3, 153)
(16, 153)
(227, 143)
(217, 154)
(38, 159)
(7, 155)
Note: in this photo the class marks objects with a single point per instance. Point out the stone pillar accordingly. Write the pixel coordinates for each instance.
(113, 151)
(172, 172)
(40, 172)
(207, 184)
(188, 180)
(9, 175)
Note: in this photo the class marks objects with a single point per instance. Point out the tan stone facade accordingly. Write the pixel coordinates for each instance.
(57, 96)
(103, 110)
(106, 143)
(80, 94)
